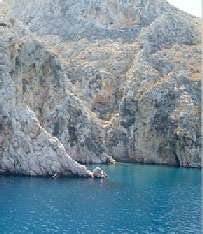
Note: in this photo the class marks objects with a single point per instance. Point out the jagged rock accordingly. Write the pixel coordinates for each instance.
(91, 19)
(98, 173)
(166, 30)
(124, 81)
(32, 151)
(160, 115)
(26, 147)
(40, 84)
(106, 159)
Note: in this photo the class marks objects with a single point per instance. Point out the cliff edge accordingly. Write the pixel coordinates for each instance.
(101, 79)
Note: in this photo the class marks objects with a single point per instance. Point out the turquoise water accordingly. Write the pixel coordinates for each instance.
(134, 199)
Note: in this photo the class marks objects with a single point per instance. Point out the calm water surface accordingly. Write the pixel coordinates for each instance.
(134, 199)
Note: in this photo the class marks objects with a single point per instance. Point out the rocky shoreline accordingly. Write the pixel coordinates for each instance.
(125, 87)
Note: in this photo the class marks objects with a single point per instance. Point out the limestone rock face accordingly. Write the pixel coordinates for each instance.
(26, 148)
(91, 19)
(32, 151)
(95, 40)
(40, 83)
(166, 30)
(80, 134)
(103, 79)
(160, 114)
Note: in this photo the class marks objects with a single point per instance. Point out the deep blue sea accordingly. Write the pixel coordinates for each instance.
(133, 199)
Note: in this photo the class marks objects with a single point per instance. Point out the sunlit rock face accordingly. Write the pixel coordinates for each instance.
(26, 147)
(159, 119)
(91, 19)
(107, 78)
(31, 86)
(96, 40)
(40, 84)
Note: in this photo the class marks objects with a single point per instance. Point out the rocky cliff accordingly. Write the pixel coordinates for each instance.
(32, 89)
(97, 79)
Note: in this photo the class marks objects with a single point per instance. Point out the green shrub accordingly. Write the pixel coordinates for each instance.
(12, 21)
(56, 129)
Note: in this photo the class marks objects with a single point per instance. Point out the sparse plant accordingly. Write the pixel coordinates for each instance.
(12, 21)
(170, 15)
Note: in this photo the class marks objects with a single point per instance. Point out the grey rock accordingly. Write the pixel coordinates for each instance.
(102, 79)
(98, 173)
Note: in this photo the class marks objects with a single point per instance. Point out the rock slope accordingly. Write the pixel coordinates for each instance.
(159, 119)
(108, 78)
(25, 146)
